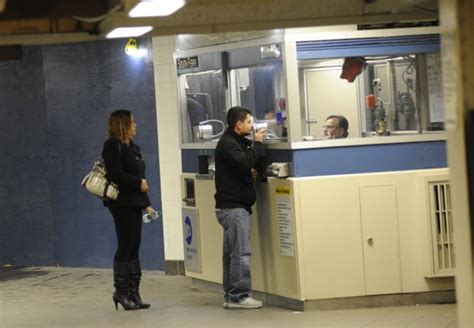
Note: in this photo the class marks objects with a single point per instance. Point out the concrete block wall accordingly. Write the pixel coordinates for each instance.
(56, 102)
(26, 219)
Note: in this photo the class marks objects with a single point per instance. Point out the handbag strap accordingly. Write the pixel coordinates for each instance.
(101, 159)
(103, 167)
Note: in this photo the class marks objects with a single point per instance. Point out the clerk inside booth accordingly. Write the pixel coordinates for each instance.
(364, 216)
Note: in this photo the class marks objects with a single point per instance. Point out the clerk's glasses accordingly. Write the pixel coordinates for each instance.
(330, 127)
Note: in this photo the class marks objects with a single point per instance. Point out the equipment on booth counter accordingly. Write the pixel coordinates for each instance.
(406, 105)
(377, 104)
(204, 131)
(281, 170)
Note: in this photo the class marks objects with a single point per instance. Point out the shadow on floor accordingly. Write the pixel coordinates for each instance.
(9, 273)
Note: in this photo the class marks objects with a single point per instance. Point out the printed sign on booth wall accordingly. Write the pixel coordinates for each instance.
(284, 212)
(191, 239)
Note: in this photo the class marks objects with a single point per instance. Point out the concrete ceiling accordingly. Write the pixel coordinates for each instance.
(54, 21)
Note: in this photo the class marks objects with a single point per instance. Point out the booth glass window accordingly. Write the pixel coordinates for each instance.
(401, 95)
(203, 106)
(261, 89)
(392, 95)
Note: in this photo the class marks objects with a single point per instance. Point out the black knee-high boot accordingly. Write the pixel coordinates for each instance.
(121, 281)
(135, 277)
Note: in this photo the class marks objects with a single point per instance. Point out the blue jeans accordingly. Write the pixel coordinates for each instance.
(236, 255)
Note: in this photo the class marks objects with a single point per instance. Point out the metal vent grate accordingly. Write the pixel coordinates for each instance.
(442, 229)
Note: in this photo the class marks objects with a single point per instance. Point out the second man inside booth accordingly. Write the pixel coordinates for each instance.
(336, 127)
(236, 160)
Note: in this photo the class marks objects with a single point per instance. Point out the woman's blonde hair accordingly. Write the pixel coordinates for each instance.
(120, 122)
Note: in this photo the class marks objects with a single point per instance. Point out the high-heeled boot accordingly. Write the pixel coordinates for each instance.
(134, 286)
(121, 281)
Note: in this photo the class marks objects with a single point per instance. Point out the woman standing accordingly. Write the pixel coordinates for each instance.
(126, 168)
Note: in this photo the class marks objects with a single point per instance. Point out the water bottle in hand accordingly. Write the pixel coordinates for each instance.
(152, 216)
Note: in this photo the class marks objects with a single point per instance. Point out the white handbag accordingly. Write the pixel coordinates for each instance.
(96, 183)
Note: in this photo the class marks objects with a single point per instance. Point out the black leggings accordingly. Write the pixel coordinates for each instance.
(128, 226)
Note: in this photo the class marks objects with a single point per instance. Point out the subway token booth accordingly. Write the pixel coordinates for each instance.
(352, 222)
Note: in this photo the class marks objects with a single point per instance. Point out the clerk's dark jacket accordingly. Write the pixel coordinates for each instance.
(235, 156)
(126, 168)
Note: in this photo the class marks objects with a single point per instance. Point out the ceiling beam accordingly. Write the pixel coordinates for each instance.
(45, 25)
(206, 16)
(213, 16)
(46, 38)
(24, 9)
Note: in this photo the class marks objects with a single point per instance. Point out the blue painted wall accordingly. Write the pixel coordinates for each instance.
(369, 159)
(55, 106)
(190, 157)
(376, 46)
(346, 160)
(26, 220)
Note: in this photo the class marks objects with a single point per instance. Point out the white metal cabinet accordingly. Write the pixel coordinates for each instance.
(379, 222)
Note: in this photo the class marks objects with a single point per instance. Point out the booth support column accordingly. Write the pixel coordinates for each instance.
(294, 118)
(457, 43)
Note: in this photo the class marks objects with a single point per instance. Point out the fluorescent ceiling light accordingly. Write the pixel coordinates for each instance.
(151, 8)
(127, 32)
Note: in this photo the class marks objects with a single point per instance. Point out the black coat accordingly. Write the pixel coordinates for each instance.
(126, 168)
(235, 156)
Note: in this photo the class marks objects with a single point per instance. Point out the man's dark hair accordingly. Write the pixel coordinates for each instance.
(342, 123)
(236, 114)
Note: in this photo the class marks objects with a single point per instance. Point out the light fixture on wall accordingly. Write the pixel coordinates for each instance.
(132, 49)
(126, 32)
(151, 8)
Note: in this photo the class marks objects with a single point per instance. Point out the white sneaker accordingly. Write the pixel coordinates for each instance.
(246, 303)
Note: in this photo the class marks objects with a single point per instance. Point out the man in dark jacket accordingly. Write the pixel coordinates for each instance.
(236, 159)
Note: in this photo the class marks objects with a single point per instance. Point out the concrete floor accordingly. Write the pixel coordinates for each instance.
(71, 297)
